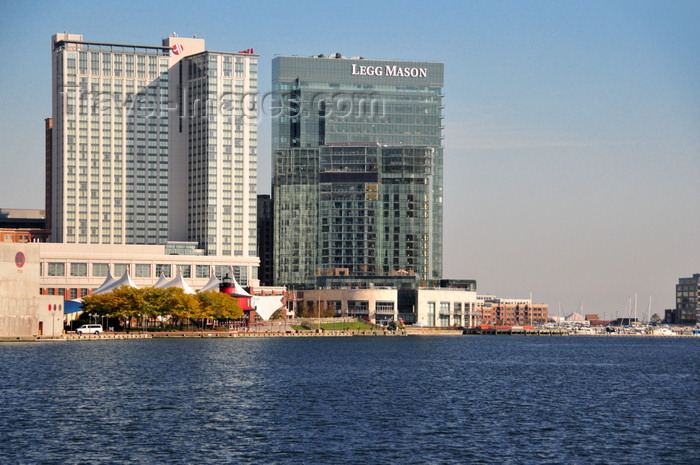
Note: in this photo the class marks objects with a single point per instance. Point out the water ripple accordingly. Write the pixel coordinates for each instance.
(410, 400)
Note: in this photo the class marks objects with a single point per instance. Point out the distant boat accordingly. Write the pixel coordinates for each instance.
(663, 332)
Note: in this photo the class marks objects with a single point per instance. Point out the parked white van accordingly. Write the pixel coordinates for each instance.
(89, 329)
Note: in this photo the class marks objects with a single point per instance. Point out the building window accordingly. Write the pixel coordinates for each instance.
(431, 313)
(444, 319)
(186, 270)
(57, 269)
(444, 308)
(202, 271)
(163, 269)
(120, 269)
(384, 307)
(358, 307)
(142, 270)
(222, 270)
(100, 270)
(78, 269)
(240, 273)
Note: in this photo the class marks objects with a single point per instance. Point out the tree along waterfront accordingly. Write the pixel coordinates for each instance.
(170, 304)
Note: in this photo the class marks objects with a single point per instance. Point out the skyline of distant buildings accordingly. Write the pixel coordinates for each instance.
(151, 169)
(156, 145)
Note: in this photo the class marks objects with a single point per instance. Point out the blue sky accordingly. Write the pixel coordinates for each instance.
(572, 140)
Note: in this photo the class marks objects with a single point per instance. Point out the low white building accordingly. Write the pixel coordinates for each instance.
(377, 304)
(75, 270)
(440, 307)
(445, 307)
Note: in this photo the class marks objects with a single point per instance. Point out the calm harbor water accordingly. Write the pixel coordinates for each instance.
(393, 400)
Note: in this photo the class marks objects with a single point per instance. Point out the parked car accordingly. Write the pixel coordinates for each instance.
(89, 329)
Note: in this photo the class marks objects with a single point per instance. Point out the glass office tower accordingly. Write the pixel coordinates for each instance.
(357, 182)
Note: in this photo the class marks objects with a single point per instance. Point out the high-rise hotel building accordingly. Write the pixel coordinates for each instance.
(110, 156)
(357, 168)
(153, 144)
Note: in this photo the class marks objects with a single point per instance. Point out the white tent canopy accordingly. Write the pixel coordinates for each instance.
(179, 281)
(106, 284)
(238, 291)
(267, 305)
(162, 281)
(125, 280)
(212, 284)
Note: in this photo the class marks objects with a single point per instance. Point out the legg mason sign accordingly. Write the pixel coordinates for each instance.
(389, 70)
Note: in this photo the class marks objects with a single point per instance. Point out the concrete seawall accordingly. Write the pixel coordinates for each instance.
(356, 333)
(177, 334)
(202, 334)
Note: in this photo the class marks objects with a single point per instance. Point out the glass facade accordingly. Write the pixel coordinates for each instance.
(688, 300)
(296, 219)
(357, 182)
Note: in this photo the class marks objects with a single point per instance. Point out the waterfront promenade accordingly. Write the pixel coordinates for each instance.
(280, 330)
(228, 334)
(518, 331)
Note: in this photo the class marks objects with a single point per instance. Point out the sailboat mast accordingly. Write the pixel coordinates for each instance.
(559, 315)
(629, 309)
